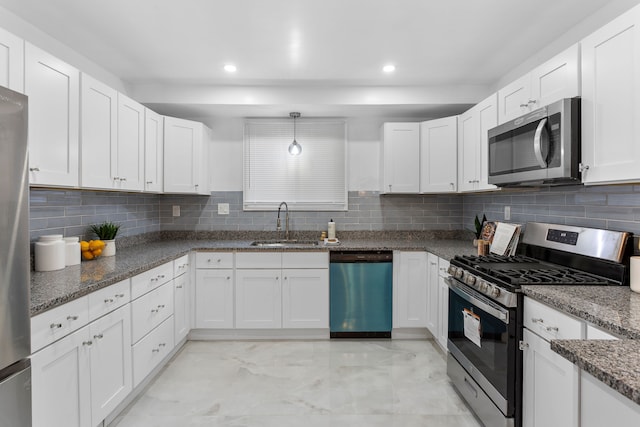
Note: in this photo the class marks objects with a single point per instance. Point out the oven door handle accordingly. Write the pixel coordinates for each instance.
(493, 309)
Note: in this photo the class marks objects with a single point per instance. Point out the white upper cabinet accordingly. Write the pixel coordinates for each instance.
(11, 61)
(130, 144)
(555, 79)
(438, 155)
(400, 158)
(153, 149)
(98, 134)
(473, 154)
(185, 160)
(611, 101)
(53, 88)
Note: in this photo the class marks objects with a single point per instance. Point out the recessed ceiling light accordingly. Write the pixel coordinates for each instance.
(230, 68)
(390, 68)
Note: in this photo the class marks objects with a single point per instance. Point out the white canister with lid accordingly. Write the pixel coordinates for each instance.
(72, 251)
(50, 253)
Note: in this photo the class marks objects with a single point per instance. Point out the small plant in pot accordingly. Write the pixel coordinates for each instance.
(478, 226)
(106, 232)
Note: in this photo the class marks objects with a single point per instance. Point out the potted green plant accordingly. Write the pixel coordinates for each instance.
(478, 226)
(106, 232)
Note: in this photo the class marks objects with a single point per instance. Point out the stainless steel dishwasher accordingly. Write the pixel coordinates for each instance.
(361, 287)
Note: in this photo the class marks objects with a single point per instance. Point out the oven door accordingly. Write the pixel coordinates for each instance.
(482, 337)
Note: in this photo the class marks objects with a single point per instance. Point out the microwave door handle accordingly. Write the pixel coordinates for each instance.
(537, 143)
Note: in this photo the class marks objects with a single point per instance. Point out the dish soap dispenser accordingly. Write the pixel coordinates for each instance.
(331, 231)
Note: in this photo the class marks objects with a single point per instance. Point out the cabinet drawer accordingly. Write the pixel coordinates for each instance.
(150, 351)
(151, 279)
(150, 310)
(108, 299)
(180, 265)
(214, 260)
(550, 323)
(443, 267)
(259, 260)
(305, 260)
(58, 322)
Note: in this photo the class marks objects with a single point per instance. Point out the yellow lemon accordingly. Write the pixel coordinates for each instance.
(96, 252)
(84, 246)
(87, 255)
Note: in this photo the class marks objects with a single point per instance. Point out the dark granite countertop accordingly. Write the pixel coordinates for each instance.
(51, 289)
(615, 309)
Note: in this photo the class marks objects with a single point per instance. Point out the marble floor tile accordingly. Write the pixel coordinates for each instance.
(301, 383)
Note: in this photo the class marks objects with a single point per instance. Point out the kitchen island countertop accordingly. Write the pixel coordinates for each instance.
(615, 309)
(52, 289)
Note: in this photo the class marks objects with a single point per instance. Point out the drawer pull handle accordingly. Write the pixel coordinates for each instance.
(228, 277)
(72, 317)
(154, 279)
(97, 337)
(552, 329)
(179, 287)
(155, 350)
(161, 306)
(149, 182)
(87, 343)
(160, 276)
(162, 344)
(537, 320)
(36, 169)
(108, 300)
(154, 310)
(119, 295)
(55, 325)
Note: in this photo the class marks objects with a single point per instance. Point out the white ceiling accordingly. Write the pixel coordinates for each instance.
(303, 43)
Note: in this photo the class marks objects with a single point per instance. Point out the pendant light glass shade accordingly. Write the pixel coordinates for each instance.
(295, 149)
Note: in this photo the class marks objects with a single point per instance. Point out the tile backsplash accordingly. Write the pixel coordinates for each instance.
(70, 212)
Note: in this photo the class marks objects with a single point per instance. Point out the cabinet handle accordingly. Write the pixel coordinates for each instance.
(160, 306)
(389, 187)
(97, 337)
(536, 320)
(149, 182)
(108, 301)
(582, 167)
(524, 105)
(35, 169)
(552, 329)
(523, 345)
(87, 343)
(72, 317)
(532, 101)
(179, 287)
(160, 276)
(155, 350)
(434, 263)
(196, 185)
(154, 310)
(153, 279)
(119, 295)
(123, 179)
(162, 344)
(55, 325)
(115, 178)
(228, 277)
(277, 278)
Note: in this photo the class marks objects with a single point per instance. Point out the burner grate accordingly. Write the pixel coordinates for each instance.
(548, 276)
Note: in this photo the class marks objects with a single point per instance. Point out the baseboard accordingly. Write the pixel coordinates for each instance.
(411, 334)
(258, 334)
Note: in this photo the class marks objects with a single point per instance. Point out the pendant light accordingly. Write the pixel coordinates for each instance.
(295, 149)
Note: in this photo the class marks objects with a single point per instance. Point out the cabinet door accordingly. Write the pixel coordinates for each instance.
(153, 151)
(611, 101)
(11, 61)
(550, 386)
(601, 405)
(258, 299)
(98, 135)
(556, 79)
(61, 388)
(214, 299)
(111, 375)
(468, 150)
(305, 298)
(181, 307)
(443, 313)
(432, 295)
(401, 158)
(130, 144)
(411, 289)
(514, 99)
(439, 155)
(487, 113)
(182, 154)
(53, 88)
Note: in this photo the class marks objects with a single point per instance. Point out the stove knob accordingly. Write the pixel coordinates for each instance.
(483, 286)
(495, 292)
(470, 280)
(458, 273)
(452, 270)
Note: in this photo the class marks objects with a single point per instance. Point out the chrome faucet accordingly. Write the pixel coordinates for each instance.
(286, 221)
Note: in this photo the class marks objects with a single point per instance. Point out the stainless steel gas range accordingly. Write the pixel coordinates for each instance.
(485, 308)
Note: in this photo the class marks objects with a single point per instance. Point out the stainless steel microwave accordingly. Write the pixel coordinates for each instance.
(539, 148)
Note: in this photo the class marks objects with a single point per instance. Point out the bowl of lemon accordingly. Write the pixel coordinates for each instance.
(91, 249)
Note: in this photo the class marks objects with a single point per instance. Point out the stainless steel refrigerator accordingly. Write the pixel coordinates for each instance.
(15, 326)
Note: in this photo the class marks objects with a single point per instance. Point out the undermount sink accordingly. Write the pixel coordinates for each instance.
(283, 243)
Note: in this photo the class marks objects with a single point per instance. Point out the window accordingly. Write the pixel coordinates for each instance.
(313, 180)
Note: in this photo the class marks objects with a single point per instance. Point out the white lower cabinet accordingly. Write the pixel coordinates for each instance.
(305, 298)
(214, 298)
(61, 383)
(432, 294)
(443, 304)
(410, 273)
(181, 312)
(600, 405)
(80, 379)
(258, 299)
(151, 350)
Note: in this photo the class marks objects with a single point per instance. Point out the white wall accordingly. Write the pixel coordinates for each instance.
(363, 148)
(37, 37)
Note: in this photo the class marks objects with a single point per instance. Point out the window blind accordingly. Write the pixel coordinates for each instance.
(313, 180)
